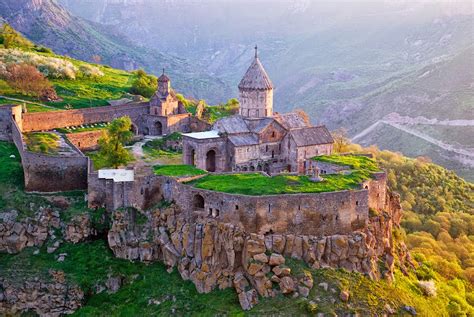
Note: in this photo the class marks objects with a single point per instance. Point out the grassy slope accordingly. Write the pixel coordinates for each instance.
(80, 92)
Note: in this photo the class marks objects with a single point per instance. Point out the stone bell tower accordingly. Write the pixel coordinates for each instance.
(256, 91)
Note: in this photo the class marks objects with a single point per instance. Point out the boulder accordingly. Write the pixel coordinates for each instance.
(276, 259)
(287, 286)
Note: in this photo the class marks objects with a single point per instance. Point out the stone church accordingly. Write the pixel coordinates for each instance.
(257, 139)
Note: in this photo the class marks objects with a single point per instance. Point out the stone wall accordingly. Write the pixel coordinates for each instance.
(215, 254)
(42, 121)
(47, 173)
(87, 140)
(9, 113)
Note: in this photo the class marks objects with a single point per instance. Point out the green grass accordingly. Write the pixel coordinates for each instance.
(81, 92)
(257, 184)
(39, 142)
(177, 170)
(360, 163)
(86, 128)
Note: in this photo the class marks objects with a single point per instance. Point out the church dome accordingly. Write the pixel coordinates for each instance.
(256, 77)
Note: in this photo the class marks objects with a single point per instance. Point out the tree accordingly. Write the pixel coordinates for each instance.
(10, 38)
(341, 141)
(29, 81)
(303, 116)
(144, 85)
(111, 146)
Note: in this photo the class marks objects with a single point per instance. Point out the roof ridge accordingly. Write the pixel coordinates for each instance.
(256, 77)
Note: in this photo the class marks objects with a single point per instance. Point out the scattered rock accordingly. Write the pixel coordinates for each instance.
(287, 285)
(261, 257)
(276, 259)
(324, 286)
(61, 257)
(410, 309)
(113, 284)
(304, 291)
(344, 295)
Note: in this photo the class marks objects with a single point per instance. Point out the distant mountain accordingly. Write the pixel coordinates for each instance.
(347, 64)
(48, 23)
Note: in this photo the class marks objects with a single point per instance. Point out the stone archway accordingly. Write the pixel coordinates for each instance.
(198, 202)
(159, 128)
(211, 161)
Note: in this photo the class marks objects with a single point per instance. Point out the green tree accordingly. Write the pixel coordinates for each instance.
(144, 85)
(112, 151)
(10, 38)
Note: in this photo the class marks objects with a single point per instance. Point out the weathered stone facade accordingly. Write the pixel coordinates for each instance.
(256, 139)
(214, 254)
(50, 173)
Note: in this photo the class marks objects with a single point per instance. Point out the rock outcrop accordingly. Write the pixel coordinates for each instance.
(220, 255)
(15, 234)
(45, 298)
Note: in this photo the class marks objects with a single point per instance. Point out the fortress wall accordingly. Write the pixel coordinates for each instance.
(8, 114)
(59, 119)
(46, 173)
(377, 187)
(87, 140)
(317, 214)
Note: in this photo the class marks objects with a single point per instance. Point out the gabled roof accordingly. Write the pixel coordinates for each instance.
(244, 139)
(291, 120)
(232, 124)
(258, 125)
(256, 77)
(311, 136)
(163, 78)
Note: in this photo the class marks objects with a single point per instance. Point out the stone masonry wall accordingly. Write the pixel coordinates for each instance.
(87, 140)
(45, 173)
(214, 254)
(59, 119)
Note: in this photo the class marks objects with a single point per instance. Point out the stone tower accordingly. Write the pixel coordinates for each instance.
(164, 101)
(256, 92)
(164, 85)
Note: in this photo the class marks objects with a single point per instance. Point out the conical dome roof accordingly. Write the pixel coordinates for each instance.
(256, 77)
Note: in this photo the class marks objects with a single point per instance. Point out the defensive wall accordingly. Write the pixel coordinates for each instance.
(43, 121)
(329, 213)
(86, 140)
(50, 173)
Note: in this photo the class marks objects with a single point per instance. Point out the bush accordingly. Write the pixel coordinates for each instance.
(144, 85)
(29, 81)
(428, 287)
(50, 67)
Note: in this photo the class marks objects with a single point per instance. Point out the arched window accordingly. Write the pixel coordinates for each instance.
(198, 202)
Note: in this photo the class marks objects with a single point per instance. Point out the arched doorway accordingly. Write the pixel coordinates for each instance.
(198, 202)
(159, 128)
(211, 161)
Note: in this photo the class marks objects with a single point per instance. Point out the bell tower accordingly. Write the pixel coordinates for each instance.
(256, 91)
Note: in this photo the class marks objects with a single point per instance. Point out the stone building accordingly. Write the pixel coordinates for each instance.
(257, 139)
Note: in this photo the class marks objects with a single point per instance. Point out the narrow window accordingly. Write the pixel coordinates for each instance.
(273, 154)
(210, 211)
(357, 203)
(266, 148)
(269, 209)
(236, 207)
(273, 134)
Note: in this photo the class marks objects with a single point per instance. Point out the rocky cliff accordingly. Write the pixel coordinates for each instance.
(221, 255)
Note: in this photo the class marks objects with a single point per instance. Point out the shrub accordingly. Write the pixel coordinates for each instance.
(51, 67)
(90, 71)
(144, 85)
(428, 287)
(29, 81)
